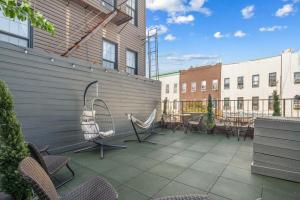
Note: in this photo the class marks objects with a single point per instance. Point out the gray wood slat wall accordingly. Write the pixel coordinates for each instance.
(49, 95)
(276, 148)
(72, 21)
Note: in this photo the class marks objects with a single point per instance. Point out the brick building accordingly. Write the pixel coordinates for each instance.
(198, 82)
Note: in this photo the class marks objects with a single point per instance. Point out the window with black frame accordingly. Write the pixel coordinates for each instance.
(255, 81)
(109, 55)
(272, 79)
(15, 31)
(270, 102)
(226, 103)
(131, 62)
(240, 103)
(226, 83)
(255, 103)
(131, 10)
(240, 82)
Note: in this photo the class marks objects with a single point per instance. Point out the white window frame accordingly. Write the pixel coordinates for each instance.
(240, 84)
(203, 86)
(193, 86)
(255, 83)
(183, 88)
(215, 84)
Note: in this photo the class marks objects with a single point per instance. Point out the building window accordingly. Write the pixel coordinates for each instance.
(109, 55)
(193, 87)
(131, 10)
(297, 103)
(240, 103)
(214, 103)
(203, 86)
(175, 104)
(255, 81)
(175, 89)
(226, 83)
(131, 62)
(109, 4)
(167, 88)
(272, 79)
(255, 103)
(270, 103)
(215, 85)
(183, 89)
(240, 82)
(297, 77)
(14, 31)
(226, 103)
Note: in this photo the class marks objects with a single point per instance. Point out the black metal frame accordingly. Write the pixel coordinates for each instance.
(149, 133)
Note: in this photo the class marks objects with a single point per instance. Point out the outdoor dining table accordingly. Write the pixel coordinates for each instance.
(182, 121)
(240, 121)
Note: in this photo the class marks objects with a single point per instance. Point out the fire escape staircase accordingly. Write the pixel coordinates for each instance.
(118, 17)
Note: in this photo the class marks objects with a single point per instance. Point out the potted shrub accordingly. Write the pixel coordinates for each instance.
(210, 122)
(12, 149)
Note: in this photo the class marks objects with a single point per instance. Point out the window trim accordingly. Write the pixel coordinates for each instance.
(136, 60)
(226, 88)
(241, 100)
(272, 85)
(135, 18)
(193, 90)
(240, 86)
(203, 90)
(183, 92)
(255, 86)
(29, 39)
(212, 85)
(226, 100)
(296, 81)
(257, 106)
(116, 53)
(270, 102)
(167, 89)
(175, 92)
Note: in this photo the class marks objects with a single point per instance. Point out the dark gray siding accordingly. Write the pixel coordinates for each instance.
(49, 95)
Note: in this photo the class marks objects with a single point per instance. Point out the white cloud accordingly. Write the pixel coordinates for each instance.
(240, 34)
(161, 29)
(272, 28)
(181, 19)
(248, 12)
(286, 10)
(219, 35)
(178, 6)
(170, 37)
(190, 57)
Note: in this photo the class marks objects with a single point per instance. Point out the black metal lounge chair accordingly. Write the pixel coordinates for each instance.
(185, 197)
(146, 127)
(195, 123)
(96, 188)
(51, 163)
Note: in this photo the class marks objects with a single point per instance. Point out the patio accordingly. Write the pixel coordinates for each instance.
(180, 164)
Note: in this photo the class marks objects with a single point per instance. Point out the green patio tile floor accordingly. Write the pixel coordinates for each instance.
(180, 164)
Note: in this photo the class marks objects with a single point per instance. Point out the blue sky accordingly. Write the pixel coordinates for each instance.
(198, 32)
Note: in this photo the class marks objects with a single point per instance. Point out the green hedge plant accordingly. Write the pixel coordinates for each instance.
(12, 148)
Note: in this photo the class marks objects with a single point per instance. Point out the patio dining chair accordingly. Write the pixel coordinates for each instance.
(185, 197)
(96, 188)
(196, 123)
(51, 163)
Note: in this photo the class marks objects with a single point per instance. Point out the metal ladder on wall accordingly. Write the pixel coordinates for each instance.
(152, 41)
(117, 16)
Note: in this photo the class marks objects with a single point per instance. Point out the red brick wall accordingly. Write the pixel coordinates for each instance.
(199, 74)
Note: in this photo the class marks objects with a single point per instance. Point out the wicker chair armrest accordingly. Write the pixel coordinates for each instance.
(95, 188)
(185, 197)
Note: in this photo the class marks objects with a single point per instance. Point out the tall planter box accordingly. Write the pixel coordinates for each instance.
(276, 148)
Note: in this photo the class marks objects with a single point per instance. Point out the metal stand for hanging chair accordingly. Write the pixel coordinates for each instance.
(97, 124)
(147, 126)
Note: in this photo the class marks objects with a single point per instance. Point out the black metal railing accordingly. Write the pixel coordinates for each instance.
(247, 107)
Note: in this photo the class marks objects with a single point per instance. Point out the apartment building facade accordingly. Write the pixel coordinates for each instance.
(107, 32)
(170, 90)
(198, 82)
(248, 86)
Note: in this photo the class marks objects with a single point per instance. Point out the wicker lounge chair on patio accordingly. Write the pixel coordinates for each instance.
(51, 163)
(95, 189)
(146, 127)
(185, 197)
(196, 123)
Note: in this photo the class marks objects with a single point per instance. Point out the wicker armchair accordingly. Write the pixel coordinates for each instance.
(94, 189)
(51, 163)
(196, 123)
(185, 197)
